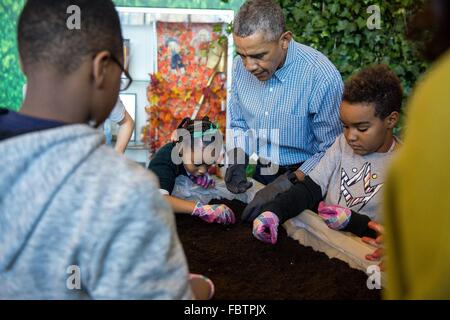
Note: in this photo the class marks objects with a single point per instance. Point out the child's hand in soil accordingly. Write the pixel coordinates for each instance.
(265, 227)
(218, 213)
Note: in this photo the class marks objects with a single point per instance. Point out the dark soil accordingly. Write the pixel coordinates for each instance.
(242, 267)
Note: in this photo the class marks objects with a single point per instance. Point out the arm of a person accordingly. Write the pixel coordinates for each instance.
(326, 125)
(180, 205)
(309, 189)
(164, 170)
(302, 195)
(359, 226)
(377, 242)
(126, 127)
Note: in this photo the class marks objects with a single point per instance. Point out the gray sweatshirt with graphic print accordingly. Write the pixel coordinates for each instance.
(352, 180)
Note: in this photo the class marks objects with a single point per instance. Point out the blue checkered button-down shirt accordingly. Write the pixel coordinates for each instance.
(301, 99)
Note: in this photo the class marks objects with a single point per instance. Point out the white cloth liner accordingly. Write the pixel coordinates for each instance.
(311, 231)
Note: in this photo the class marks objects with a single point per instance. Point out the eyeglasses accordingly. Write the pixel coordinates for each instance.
(124, 82)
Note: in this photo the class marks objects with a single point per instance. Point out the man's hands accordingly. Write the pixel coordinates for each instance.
(236, 179)
(235, 176)
(299, 175)
(263, 196)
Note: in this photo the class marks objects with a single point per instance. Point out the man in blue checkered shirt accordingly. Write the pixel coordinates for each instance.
(284, 104)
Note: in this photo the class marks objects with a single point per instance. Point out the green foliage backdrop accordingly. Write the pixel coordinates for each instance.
(338, 29)
(335, 27)
(11, 78)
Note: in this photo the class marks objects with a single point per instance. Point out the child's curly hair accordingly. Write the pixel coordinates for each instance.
(376, 85)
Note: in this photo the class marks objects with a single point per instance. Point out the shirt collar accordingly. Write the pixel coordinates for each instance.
(282, 73)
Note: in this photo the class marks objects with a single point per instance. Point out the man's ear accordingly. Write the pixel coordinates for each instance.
(285, 39)
(99, 67)
(23, 68)
(392, 119)
(21, 65)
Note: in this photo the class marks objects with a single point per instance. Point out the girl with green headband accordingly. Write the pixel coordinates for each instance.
(188, 155)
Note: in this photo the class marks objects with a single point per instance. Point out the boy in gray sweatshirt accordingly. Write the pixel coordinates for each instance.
(77, 220)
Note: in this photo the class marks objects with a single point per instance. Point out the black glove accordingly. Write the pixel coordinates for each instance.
(358, 225)
(263, 196)
(236, 177)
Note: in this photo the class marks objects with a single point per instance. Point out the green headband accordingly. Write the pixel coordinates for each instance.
(210, 131)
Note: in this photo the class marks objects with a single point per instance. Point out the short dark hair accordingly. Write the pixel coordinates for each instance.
(376, 85)
(44, 37)
(260, 16)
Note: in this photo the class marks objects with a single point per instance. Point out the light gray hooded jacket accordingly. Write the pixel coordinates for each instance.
(78, 221)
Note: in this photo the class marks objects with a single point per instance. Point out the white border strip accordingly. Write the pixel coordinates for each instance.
(228, 15)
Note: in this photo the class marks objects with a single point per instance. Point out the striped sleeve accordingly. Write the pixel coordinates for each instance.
(326, 125)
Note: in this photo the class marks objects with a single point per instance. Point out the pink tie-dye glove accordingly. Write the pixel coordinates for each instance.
(336, 217)
(204, 181)
(218, 213)
(265, 227)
